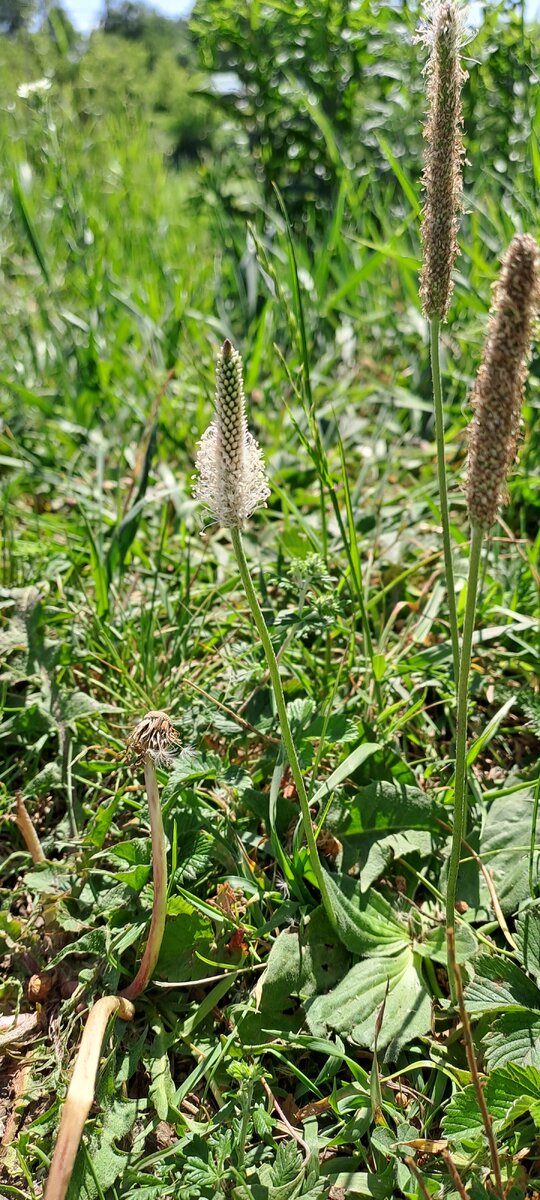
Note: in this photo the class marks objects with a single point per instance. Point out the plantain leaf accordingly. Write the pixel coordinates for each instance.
(352, 1008)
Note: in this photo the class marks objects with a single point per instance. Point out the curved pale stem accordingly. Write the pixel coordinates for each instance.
(159, 867)
(434, 326)
(81, 1089)
(286, 734)
(80, 1093)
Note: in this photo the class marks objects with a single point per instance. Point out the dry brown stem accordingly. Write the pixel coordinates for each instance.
(473, 1067)
(26, 826)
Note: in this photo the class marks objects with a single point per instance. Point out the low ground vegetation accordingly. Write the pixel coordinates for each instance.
(269, 1056)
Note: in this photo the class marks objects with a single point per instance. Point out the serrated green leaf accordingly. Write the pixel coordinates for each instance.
(462, 1120)
(527, 938)
(300, 712)
(188, 767)
(534, 1110)
(499, 985)
(515, 1037)
(509, 1093)
(527, 1079)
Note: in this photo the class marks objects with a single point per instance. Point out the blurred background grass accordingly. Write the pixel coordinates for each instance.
(251, 172)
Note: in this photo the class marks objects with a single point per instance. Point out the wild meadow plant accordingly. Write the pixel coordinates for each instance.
(498, 393)
(442, 181)
(231, 484)
(497, 399)
(151, 741)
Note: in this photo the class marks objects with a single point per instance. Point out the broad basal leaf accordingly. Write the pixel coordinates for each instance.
(385, 805)
(353, 1006)
(504, 847)
(185, 934)
(434, 945)
(366, 923)
(374, 852)
(301, 963)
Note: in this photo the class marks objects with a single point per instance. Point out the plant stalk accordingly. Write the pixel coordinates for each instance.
(80, 1093)
(28, 830)
(434, 327)
(473, 1067)
(286, 734)
(159, 868)
(460, 780)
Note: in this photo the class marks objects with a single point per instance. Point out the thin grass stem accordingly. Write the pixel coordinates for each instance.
(286, 734)
(434, 330)
(460, 787)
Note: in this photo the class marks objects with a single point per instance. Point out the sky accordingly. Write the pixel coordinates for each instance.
(85, 14)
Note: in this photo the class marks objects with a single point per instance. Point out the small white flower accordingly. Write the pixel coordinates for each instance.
(25, 90)
(231, 479)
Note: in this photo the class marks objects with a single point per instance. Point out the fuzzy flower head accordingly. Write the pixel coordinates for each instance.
(155, 735)
(498, 392)
(231, 480)
(442, 178)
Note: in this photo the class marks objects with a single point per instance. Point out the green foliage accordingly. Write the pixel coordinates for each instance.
(271, 1056)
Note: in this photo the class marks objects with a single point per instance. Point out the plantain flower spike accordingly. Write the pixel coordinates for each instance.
(231, 481)
(442, 178)
(498, 392)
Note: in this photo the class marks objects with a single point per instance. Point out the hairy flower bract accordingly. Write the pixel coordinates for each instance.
(231, 481)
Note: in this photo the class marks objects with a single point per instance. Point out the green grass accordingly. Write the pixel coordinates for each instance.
(119, 281)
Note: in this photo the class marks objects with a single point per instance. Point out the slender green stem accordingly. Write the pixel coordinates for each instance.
(434, 326)
(286, 734)
(460, 785)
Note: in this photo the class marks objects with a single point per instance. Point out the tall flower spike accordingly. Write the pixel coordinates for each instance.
(231, 474)
(498, 392)
(442, 160)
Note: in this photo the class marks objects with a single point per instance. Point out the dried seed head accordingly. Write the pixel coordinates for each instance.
(442, 180)
(231, 475)
(155, 735)
(498, 392)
